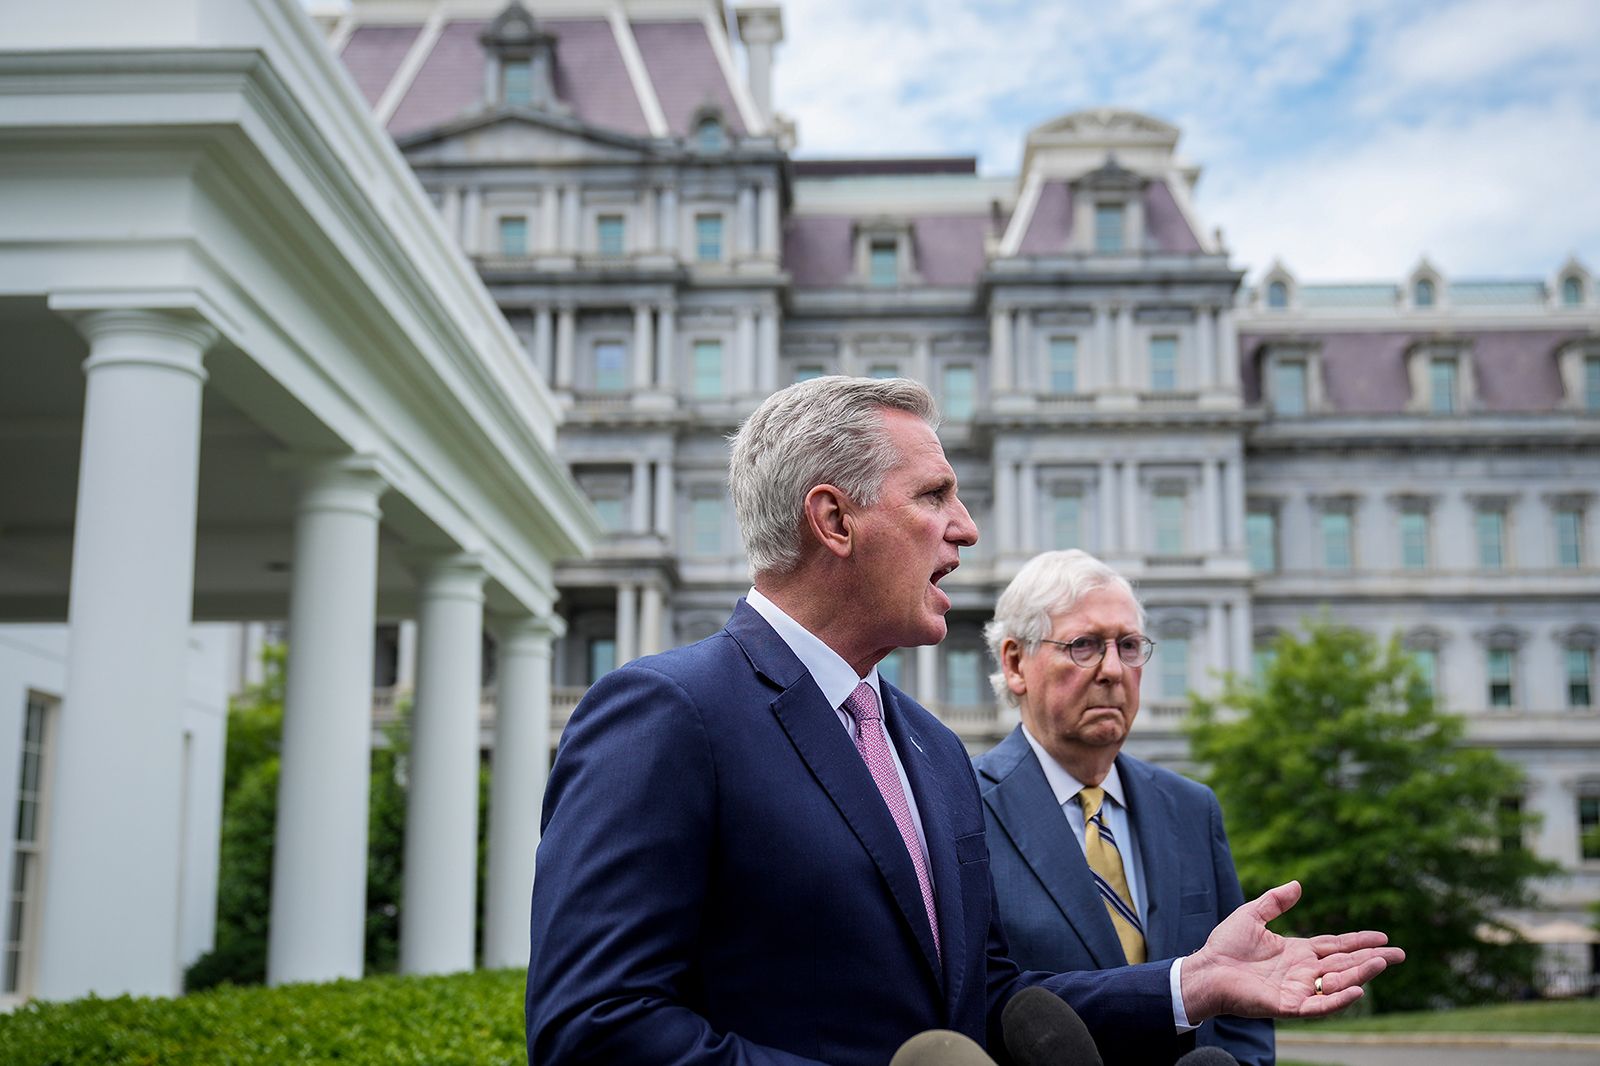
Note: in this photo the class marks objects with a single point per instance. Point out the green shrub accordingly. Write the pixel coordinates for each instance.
(473, 1018)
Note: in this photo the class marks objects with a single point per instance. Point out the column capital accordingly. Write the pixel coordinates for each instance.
(351, 483)
(448, 575)
(531, 633)
(164, 339)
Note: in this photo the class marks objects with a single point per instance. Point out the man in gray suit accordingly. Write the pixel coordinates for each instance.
(1099, 859)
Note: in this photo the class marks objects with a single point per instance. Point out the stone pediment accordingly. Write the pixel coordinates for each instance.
(523, 135)
(1100, 124)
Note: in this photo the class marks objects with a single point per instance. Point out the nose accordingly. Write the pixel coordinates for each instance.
(963, 530)
(1111, 664)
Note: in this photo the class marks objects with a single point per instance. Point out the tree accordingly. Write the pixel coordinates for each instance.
(1336, 768)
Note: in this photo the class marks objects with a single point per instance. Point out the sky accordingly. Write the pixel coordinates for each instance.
(1349, 139)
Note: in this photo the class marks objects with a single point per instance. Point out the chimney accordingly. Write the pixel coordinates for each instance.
(760, 28)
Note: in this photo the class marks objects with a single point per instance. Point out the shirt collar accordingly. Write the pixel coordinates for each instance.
(833, 675)
(1063, 784)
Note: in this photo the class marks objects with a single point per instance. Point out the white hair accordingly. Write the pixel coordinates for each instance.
(1049, 585)
(825, 431)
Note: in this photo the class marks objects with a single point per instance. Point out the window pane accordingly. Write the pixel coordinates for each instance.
(1066, 520)
(1169, 523)
(1442, 386)
(1428, 666)
(1580, 670)
(1510, 812)
(1261, 659)
(1063, 364)
(1491, 540)
(963, 677)
(1413, 540)
(1163, 364)
(1423, 295)
(602, 658)
(1500, 680)
(610, 366)
(708, 368)
(1173, 653)
(1261, 531)
(1588, 818)
(1569, 539)
(1277, 295)
(609, 508)
(705, 519)
(1336, 546)
(708, 238)
(514, 236)
(1571, 292)
(883, 267)
(518, 81)
(1591, 384)
(960, 392)
(1289, 387)
(1108, 228)
(708, 135)
(608, 234)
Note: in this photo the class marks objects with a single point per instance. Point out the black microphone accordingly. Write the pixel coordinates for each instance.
(1041, 1030)
(940, 1047)
(1207, 1056)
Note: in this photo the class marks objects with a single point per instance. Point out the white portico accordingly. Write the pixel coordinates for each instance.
(245, 374)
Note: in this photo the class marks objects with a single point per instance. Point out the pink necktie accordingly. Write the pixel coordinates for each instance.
(863, 707)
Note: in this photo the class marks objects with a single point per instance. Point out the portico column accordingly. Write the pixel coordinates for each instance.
(644, 348)
(745, 228)
(1124, 366)
(544, 343)
(520, 764)
(664, 497)
(1232, 504)
(922, 359)
(1107, 501)
(438, 919)
(650, 607)
(550, 218)
(1005, 494)
(1227, 352)
(1211, 505)
(665, 329)
(472, 220)
(767, 238)
(627, 624)
(927, 674)
(767, 351)
(1028, 494)
(1217, 640)
(1130, 509)
(319, 866)
(1206, 334)
(110, 920)
(639, 499)
(1243, 644)
(570, 204)
(1000, 350)
(566, 329)
(668, 220)
(745, 347)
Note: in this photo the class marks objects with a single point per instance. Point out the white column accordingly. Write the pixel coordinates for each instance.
(1232, 504)
(664, 498)
(666, 371)
(1206, 335)
(745, 351)
(668, 219)
(1028, 492)
(566, 341)
(627, 624)
(767, 351)
(1227, 352)
(1210, 506)
(927, 674)
(1131, 542)
(450, 213)
(1217, 645)
(922, 359)
(1107, 512)
(544, 343)
(847, 356)
(1243, 639)
(319, 866)
(767, 238)
(646, 239)
(405, 668)
(550, 218)
(1104, 361)
(520, 764)
(650, 606)
(745, 227)
(438, 920)
(1000, 351)
(571, 197)
(1005, 506)
(110, 920)
(643, 347)
(640, 499)
(1023, 355)
(1124, 364)
(472, 221)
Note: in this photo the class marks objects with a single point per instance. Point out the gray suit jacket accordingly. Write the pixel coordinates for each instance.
(1052, 915)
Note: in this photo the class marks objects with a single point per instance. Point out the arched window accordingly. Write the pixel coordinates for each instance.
(1572, 292)
(1422, 294)
(1277, 295)
(709, 135)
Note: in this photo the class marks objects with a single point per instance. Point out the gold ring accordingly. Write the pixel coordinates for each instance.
(1319, 986)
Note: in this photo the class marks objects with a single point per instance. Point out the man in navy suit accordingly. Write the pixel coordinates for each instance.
(756, 851)
(1068, 635)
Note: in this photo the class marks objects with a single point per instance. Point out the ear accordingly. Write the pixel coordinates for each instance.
(1011, 666)
(828, 516)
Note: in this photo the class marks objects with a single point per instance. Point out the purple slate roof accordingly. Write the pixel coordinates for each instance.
(949, 248)
(1051, 223)
(372, 55)
(1164, 223)
(449, 84)
(679, 58)
(1365, 373)
(817, 249)
(591, 77)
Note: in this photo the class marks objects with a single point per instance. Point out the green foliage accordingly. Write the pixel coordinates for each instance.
(465, 1019)
(1337, 769)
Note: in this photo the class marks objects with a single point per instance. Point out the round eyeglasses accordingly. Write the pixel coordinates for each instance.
(1087, 651)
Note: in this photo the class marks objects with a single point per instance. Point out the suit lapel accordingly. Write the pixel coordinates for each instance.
(1026, 809)
(1155, 833)
(933, 806)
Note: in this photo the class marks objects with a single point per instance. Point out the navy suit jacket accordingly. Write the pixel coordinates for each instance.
(1053, 916)
(719, 880)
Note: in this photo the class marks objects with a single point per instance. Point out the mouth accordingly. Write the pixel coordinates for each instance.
(942, 573)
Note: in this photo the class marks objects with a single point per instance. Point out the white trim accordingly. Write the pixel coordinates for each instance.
(1023, 215)
(622, 30)
(716, 32)
(342, 31)
(400, 84)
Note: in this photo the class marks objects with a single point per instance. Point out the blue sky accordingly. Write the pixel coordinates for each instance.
(1348, 139)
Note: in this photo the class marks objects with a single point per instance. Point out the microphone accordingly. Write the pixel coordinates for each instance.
(1207, 1056)
(1041, 1030)
(940, 1047)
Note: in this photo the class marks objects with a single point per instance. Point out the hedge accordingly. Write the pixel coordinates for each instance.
(473, 1018)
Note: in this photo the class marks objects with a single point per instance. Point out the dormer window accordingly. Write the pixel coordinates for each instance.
(1422, 293)
(1579, 364)
(883, 262)
(709, 134)
(1291, 381)
(1277, 296)
(1108, 217)
(516, 82)
(521, 61)
(883, 253)
(1109, 226)
(1571, 292)
(1442, 385)
(1442, 379)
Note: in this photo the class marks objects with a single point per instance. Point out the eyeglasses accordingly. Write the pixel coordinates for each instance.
(1087, 652)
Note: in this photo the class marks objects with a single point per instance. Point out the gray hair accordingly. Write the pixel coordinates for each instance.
(1048, 585)
(827, 430)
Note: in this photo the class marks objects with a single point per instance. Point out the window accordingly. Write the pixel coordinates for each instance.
(1337, 547)
(1414, 540)
(1580, 677)
(608, 235)
(1262, 656)
(1591, 383)
(960, 392)
(516, 82)
(707, 369)
(705, 525)
(513, 236)
(1261, 535)
(883, 371)
(963, 677)
(1174, 667)
(1588, 820)
(1511, 823)
(1500, 665)
(610, 366)
(1288, 387)
(708, 238)
(709, 135)
(1569, 538)
(1063, 364)
(1428, 666)
(1571, 292)
(808, 371)
(1277, 296)
(1442, 386)
(883, 263)
(1491, 524)
(610, 510)
(1168, 507)
(602, 657)
(1066, 519)
(892, 667)
(28, 856)
(1163, 364)
(1422, 293)
(1108, 239)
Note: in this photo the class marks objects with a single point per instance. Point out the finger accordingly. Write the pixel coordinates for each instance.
(1348, 960)
(1274, 901)
(1336, 981)
(1330, 943)
(1328, 1002)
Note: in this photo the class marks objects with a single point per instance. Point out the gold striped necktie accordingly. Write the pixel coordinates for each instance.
(1105, 860)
